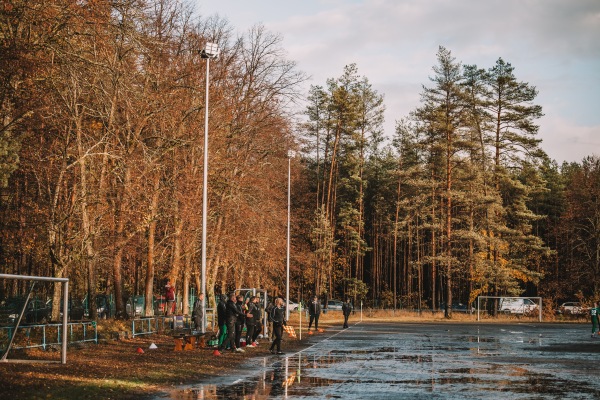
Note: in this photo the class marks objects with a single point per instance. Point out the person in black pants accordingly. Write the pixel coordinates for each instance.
(346, 310)
(257, 320)
(278, 317)
(314, 310)
(231, 316)
(241, 320)
(250, 322)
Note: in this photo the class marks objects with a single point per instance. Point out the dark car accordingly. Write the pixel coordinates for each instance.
(458, 307)
(76, 309)
(36, 311)
(104, 306)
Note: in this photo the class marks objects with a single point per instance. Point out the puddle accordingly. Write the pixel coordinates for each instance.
(481, 365)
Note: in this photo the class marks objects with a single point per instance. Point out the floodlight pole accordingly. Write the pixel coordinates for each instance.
(287, 280)
(210, 51)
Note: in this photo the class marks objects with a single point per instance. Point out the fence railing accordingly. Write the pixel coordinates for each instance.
(48, 334)
(160, 323)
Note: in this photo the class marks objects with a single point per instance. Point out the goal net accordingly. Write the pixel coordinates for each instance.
(506, 305)
(23, 317)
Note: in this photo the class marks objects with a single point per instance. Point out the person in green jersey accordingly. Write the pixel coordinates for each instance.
(594, 315)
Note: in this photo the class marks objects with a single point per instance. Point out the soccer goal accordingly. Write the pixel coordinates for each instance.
(21, 309)
(516, 306)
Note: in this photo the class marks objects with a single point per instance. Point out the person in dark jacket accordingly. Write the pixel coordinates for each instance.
(346, 310)
(314, 311)
(257, 315)
(222, 318)
(231, 316)
(198, 312)
(278, 317)
(250, 322)
(240, 321)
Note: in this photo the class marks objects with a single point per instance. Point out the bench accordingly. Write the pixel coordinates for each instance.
(189, 341)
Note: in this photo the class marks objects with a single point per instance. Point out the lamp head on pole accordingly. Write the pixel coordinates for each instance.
(291, 154)
(211, 50)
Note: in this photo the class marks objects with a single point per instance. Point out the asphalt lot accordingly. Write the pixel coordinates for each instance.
(424, 361)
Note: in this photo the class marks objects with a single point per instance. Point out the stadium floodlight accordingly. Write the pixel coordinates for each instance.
(291, 154)
(210, 51)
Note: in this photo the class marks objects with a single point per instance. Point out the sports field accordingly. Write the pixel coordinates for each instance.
(423, 361)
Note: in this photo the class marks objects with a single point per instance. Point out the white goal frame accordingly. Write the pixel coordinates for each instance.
(538, 301)
(65, 281)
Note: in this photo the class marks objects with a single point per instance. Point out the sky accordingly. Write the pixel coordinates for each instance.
(553, 45)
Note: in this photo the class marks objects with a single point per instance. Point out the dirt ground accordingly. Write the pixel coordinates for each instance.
(113, 369)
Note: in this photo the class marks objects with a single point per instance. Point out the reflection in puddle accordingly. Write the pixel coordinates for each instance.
(415, 368)
(275, 382)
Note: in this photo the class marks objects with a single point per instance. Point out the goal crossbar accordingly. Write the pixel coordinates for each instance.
(63, 357)
(539, 302)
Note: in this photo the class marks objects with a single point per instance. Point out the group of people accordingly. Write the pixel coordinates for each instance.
(234, 313)
(314, 311)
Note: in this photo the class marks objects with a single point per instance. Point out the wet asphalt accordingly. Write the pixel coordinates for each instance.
(423, 361)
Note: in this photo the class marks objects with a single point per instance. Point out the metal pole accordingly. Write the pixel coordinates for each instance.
(204, 198)
(287, 280)
(63, 358)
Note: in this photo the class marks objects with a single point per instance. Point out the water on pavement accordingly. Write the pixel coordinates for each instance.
(424, 361)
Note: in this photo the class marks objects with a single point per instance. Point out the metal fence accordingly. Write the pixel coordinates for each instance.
(161, 323)
(34, 336)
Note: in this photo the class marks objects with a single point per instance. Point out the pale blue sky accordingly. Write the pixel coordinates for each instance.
(553, 45)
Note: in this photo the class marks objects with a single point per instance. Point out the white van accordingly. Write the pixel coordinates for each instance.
(516, 305)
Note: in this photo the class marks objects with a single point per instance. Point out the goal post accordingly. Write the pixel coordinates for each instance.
(510, 305)
(33, 279)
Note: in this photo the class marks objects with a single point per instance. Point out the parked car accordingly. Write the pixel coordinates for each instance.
(293, 305)
(459, 307)
(36, 311)
(135, 306)
(572, 308)
(76, 309)
(333, 305)
(103, 306)
(516, 305)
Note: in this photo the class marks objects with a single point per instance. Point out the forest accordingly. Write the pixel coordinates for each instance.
(102, 116)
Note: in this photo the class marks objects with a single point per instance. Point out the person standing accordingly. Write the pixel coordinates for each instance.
(198, 312)
(257, 320)
(346, 310)
(278, 317)
(594, 315)
(170, 296)
(314, 311)
(240, 321)
(231, 316)
(269, 311)
(250, 322)
(222, 318)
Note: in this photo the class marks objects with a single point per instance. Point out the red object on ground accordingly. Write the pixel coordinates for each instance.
(140, 350)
